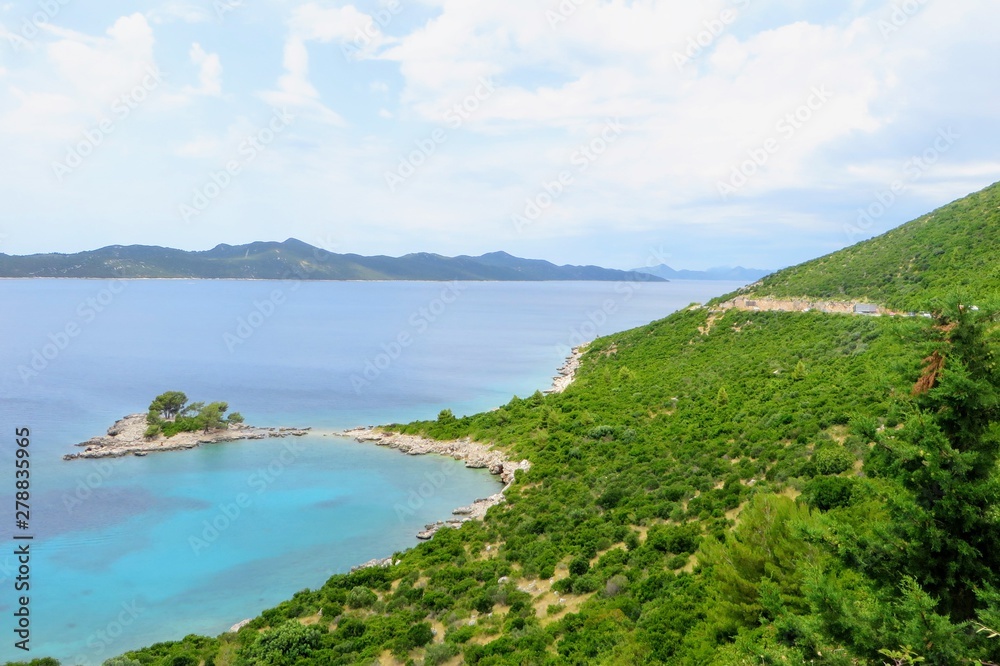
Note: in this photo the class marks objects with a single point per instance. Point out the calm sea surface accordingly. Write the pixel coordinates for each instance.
(132, 551)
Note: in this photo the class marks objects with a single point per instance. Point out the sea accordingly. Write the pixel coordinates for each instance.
(115, 554)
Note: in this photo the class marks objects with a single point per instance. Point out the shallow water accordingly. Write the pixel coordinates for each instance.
(132, 551)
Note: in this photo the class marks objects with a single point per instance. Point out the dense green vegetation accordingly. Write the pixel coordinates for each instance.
(660, 506)
(954, 249)
(714, 488)
(170, 413)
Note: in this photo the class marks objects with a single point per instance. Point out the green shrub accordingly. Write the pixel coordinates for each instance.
(579, 566)
(586, 584)
(331, 610)
(833, 460)
(361, 597)
(281, 646)
(460, 635)
(419, 635)
(828, 492)
(351, 627)
(440, 653)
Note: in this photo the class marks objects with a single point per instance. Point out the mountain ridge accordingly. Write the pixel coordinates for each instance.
(295, 259)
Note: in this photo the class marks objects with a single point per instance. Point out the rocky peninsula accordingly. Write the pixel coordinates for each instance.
(474, 454)
(128, 437)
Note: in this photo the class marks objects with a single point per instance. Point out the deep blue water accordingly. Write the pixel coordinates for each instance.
(132, 551)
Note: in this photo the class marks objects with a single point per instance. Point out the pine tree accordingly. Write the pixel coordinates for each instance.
(946, 457)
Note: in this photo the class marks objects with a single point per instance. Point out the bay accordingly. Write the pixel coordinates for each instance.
(131, 551)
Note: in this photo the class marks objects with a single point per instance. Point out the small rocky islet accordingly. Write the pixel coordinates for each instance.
(128, 437)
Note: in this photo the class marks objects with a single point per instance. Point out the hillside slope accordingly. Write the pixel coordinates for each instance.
(954, 248)
(664, 435)
(715, 488)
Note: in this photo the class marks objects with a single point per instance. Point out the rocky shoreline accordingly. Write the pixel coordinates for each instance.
(474, 454)
(128, 437)
(567, 371)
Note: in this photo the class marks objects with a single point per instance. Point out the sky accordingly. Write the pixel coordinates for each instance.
(619, 133)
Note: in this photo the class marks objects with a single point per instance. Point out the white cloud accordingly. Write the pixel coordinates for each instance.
(313, 22)
(210, 72)
(557, 83)
(346, 24)
(78, 78)
(295, 90)
(620, 60)
(179, 11)
(296, 61)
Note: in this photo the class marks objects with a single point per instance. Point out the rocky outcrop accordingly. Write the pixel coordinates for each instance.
(128, 437)
(477, 510)
(384, 562)
(567, 371)
(239, 625)
(474, 454)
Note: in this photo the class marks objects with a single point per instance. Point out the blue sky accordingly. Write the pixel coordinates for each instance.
(618, 133)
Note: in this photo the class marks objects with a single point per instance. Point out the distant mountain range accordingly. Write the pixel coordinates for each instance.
(737, 274)
(295, 260)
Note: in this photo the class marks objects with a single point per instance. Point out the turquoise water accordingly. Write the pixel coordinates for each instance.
(132, 551)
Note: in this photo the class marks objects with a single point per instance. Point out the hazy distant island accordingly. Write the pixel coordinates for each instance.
(732, 273)
(296, 260)
(171, 424)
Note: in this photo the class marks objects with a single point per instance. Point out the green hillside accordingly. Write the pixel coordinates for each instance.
(715, 488)
(955, 248)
